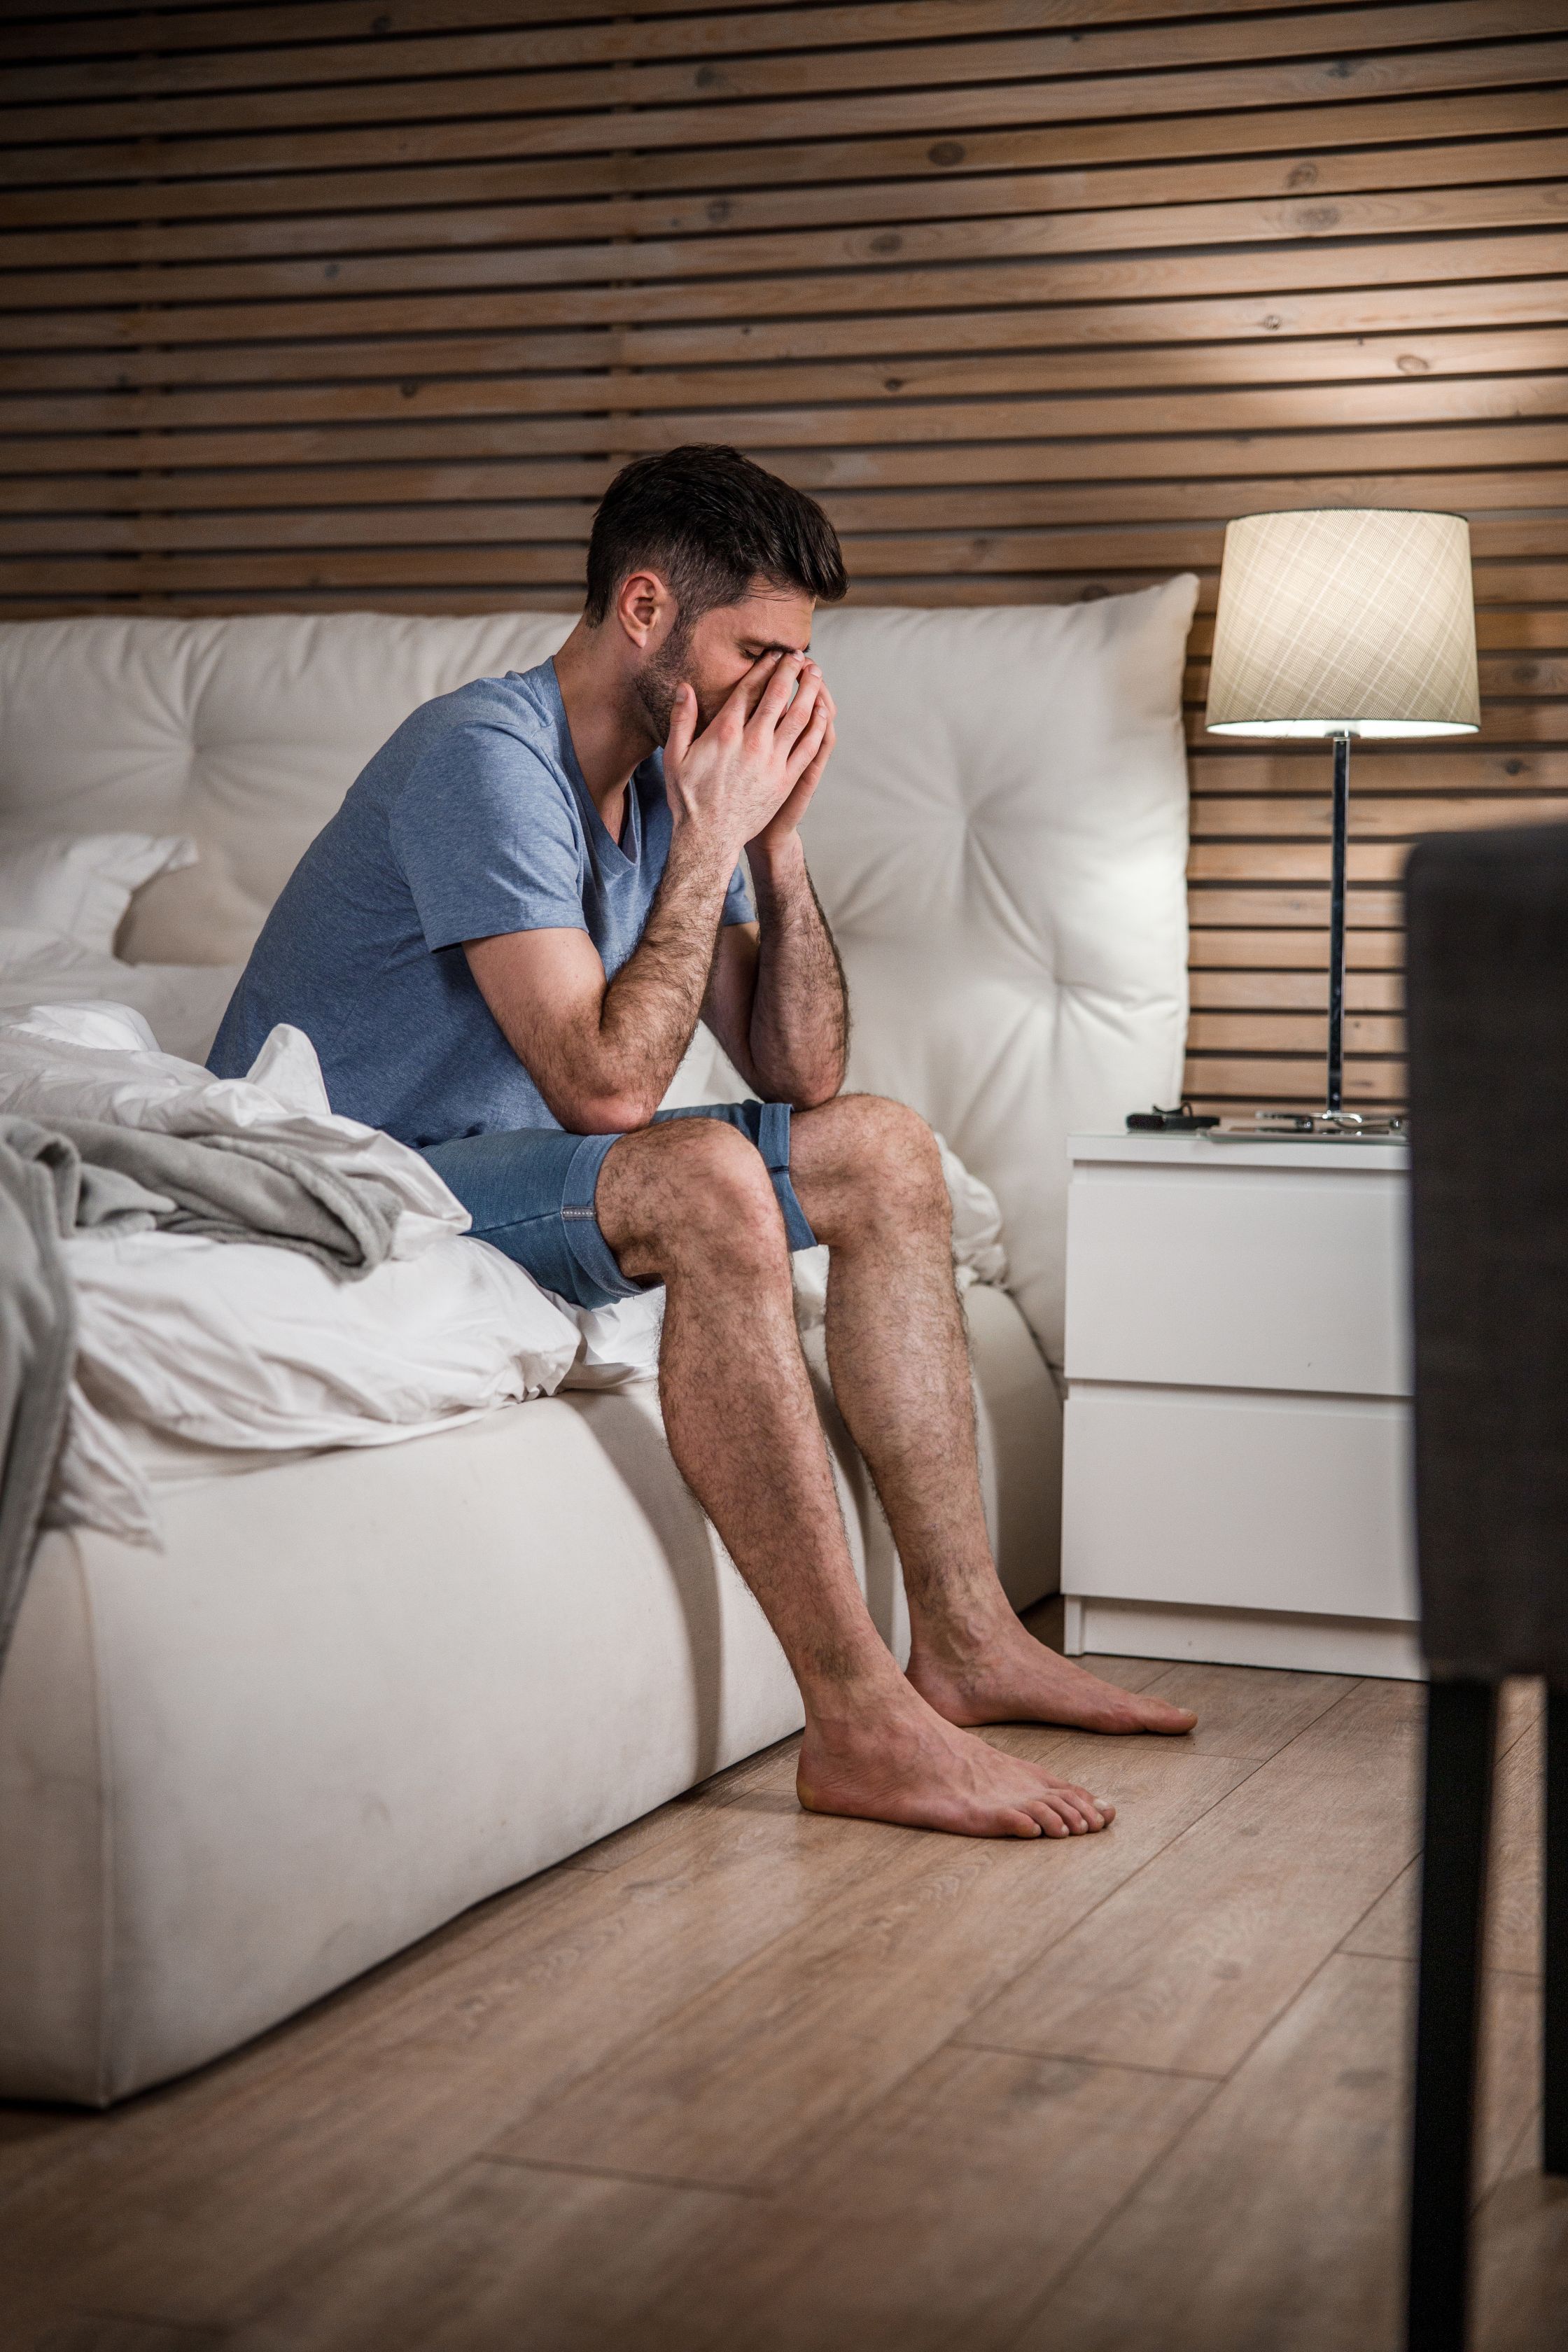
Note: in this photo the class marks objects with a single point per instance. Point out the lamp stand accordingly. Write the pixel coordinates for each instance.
(1333, 1123)
(1336, 1085)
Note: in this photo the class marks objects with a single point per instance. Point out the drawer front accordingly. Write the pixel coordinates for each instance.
(1238, 1501)
(1222, 1277)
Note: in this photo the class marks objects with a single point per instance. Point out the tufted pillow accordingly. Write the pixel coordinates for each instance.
(1001, 847)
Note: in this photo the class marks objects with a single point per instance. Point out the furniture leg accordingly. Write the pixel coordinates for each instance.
(1462, 1730)
(1333, 1093)
(1554, 1929)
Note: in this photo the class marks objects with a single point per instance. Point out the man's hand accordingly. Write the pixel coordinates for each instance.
(763, 848)
(749, 775)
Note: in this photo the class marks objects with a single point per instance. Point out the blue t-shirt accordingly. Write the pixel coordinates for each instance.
(474, 819)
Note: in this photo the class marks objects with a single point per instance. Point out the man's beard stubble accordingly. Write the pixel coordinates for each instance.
(655, 682)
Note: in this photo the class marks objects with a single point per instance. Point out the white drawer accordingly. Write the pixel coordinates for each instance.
(1228, 1276)
(1238, 1501)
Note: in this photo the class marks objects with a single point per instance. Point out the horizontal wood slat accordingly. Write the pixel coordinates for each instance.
(1293, 1080)
(1292, 1032)
(1477, 292)
(1334, 146)
(117, 28)
(874, 181)
(1065, 350)
(1009, 92)
(976, 260)
(464, 44)
(1236, 991)
(1005, 454)
(322, 306)
(841, 403)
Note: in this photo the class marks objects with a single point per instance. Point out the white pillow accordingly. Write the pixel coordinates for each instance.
(79, 885)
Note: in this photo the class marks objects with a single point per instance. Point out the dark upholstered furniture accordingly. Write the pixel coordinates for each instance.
(1488, 963)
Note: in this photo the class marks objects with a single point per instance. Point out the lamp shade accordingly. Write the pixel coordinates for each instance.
(1345, 619)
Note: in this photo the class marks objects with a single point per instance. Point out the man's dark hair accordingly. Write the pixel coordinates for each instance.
(710, 523)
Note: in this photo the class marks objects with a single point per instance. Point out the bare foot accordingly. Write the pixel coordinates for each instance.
(1012, 1678)
(905, 1764)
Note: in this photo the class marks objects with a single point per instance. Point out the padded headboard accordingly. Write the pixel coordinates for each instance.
(1001, 845)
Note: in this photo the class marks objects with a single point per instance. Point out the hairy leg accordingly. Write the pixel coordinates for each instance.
(869, 1180)
(690, 1203)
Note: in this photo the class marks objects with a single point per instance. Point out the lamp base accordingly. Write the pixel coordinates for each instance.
(1315, 1126)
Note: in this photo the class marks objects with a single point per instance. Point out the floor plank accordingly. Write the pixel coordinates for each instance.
(1510, 2085)
(496, 2257)
(1392, 1926)
(32, 2139)
(1186, 1964)
(1522, 2255)
(98, 2332)
(1249, 1712)
(1513, 1891)
(940, 2220)
(1275, 2223)
(942, 2216)
(1389, 1931)
(763, 1784)
(794, 2044)
(1131, 1674)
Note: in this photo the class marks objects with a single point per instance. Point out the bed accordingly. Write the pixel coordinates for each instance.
(337, 1691)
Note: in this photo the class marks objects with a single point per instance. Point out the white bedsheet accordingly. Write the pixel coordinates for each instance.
(222, 1344)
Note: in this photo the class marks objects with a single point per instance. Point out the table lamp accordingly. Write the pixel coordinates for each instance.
(1343, 620)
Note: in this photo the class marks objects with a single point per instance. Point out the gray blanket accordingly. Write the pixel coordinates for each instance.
(84, 1176)
(231, 1188)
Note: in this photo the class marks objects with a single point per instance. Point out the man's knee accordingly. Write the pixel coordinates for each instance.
(700, 1195)
(885, 1163)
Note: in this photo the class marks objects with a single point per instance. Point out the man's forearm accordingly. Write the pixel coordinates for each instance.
(652, 1005)
(800, 1022)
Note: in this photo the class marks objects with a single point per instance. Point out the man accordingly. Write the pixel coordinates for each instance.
(502, 945)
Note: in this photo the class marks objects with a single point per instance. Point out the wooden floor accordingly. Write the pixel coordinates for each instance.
(739, 2080)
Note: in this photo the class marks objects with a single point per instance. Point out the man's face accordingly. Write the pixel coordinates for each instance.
(716, 651)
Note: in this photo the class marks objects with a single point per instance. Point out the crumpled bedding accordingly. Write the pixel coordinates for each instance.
(229, 1187)
(243, 1345)
(100, 1062)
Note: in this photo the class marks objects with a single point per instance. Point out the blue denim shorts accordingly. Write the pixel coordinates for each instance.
(530, 1194)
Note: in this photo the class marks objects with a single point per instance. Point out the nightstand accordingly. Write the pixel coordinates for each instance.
(1237, 1480)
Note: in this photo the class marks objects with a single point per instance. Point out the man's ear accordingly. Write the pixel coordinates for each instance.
(644, 607)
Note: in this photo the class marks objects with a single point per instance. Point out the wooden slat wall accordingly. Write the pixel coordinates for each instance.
(360, 302)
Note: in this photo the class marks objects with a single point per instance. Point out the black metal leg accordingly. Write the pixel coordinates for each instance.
(1334, 1091)
(1555, 2135)
(1461, 1733)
